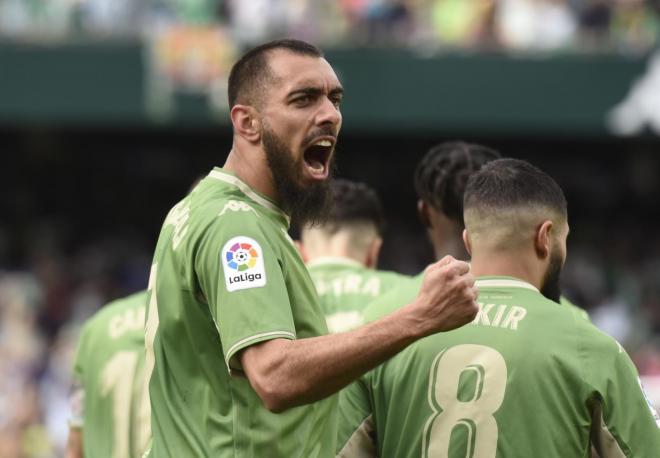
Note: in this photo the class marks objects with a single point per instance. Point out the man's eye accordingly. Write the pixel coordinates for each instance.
(304, 100)
(336, 101)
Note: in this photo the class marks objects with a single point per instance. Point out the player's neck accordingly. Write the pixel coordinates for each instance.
(452, 246)
(337, 254)
(498, 265)
(252, 169)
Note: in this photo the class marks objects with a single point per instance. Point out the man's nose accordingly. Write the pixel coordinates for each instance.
(328, 113)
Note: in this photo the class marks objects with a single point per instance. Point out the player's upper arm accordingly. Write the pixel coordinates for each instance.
(356, 436)
(241, 275)
(624, 423)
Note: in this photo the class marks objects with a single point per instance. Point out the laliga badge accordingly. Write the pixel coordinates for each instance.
(243, 264)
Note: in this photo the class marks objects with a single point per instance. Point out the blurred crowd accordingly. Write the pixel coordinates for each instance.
(427, 25)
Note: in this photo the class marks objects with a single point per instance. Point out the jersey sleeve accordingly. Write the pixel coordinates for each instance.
(356, 435)
(241, 274)
(77, 392)
(624, 422)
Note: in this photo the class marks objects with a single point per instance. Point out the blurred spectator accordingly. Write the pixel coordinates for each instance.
(21, 352)
(458, 23)
(595, 20)
(40, 315)
(536, 24)
(520, 25)
(635, 25)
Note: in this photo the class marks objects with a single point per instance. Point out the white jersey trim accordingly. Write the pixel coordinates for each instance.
(330, 260)
(602, 439)
(505, 283)
(245, 189)
(242, 342)
(361, 443)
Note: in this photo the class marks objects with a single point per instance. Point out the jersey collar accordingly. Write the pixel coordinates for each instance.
(333, 260)
(233, 180)
(503, 282)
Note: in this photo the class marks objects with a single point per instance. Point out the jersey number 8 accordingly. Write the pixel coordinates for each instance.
(466, 388)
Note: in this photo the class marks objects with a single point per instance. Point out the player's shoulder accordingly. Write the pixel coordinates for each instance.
(116, 307)
(579, 311)
(222, 194)
(405, 291)
(592, 343)
(94, 332)
(132, 301)
(230, 212)
(595, 343)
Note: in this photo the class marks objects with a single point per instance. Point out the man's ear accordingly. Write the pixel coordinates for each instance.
(542, 239)
(246, 122)
(423, 213)
(373, 253)
(467, 242)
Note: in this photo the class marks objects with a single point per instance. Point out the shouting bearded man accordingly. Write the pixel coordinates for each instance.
(235, 335)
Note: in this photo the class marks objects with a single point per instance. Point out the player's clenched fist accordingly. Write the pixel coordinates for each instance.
(447, 298)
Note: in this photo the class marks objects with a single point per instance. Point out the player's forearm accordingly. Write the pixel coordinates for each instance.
(302, 371)
(290, 373)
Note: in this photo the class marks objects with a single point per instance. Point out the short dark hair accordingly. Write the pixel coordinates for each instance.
(251, 72)
(353, 203)
(442, 174)
(510, 183)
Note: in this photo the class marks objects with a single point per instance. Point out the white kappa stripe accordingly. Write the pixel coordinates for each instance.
(245, 189)
(241, 342)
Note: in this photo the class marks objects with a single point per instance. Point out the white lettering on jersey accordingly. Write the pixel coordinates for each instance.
(482, 315)
(372, 287)
(514, 315)
(130, 320)
(243, 264)
(178, 217)
(349, 284)
(237, 206)
(343, 321)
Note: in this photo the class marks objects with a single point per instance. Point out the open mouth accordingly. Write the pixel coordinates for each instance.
(317, 157)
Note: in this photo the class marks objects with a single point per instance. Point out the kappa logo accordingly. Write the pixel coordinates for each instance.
(243, 264)
(237, 206)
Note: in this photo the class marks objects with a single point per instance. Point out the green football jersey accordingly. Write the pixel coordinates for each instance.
(226, 275)
(405, 292)
(527, 378)
(345, 287)
(582, 312)
(110, 402)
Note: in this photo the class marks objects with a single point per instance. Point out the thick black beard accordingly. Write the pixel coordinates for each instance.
(305, 204)
(551, 287)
